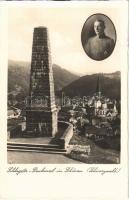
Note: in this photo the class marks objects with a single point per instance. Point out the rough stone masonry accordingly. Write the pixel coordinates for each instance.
(41, 111)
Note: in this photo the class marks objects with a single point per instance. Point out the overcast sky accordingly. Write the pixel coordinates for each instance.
(64, 25)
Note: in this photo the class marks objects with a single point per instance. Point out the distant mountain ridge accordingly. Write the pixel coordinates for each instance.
(19, 76)
(115, 75)
(71, 84)
(86, 85)
(62, 77)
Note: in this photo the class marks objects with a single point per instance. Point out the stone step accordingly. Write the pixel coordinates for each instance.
(33, 145)
(37, 151)
(54, 149)
(35, 148)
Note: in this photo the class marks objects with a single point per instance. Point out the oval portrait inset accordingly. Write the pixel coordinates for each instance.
(98, 37)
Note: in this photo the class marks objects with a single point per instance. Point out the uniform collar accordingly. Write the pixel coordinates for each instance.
(101, 36)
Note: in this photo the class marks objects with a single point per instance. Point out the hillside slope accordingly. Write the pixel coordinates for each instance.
(86, 85)
(19, 76)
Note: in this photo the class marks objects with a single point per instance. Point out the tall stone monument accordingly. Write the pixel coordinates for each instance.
(41, 112)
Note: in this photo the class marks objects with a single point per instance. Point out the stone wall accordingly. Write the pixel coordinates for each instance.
(15, 132)
(67, 135)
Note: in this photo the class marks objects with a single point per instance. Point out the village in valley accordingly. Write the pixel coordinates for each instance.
(94, 118)
(83, 128)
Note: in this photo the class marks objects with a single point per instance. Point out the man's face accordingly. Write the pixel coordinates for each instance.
(99, 28)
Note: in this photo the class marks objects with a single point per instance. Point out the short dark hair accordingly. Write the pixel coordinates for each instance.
(101, 21)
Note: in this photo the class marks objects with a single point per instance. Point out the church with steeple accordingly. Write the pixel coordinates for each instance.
(103, 106)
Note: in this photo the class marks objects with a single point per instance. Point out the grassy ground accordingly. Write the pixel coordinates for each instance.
(97, 155)
(110, 142)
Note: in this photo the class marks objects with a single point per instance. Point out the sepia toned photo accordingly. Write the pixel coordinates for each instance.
(56, 114)
(63, 114)
(98, 37)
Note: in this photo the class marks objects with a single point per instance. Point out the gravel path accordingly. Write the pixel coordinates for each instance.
(38, 158)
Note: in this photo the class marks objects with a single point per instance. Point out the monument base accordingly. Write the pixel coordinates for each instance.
(41, 123)
(18, 136)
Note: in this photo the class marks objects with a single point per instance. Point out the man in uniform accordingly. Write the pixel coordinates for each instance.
(100, 46)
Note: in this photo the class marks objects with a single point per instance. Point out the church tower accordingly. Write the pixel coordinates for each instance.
(41, 112)
(98, 88)
(97, 102)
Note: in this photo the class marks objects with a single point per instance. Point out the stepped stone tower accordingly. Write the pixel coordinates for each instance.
(41, 112)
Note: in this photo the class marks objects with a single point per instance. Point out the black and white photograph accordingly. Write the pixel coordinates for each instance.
(98, 37)
(63, 113)
(57, 113)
